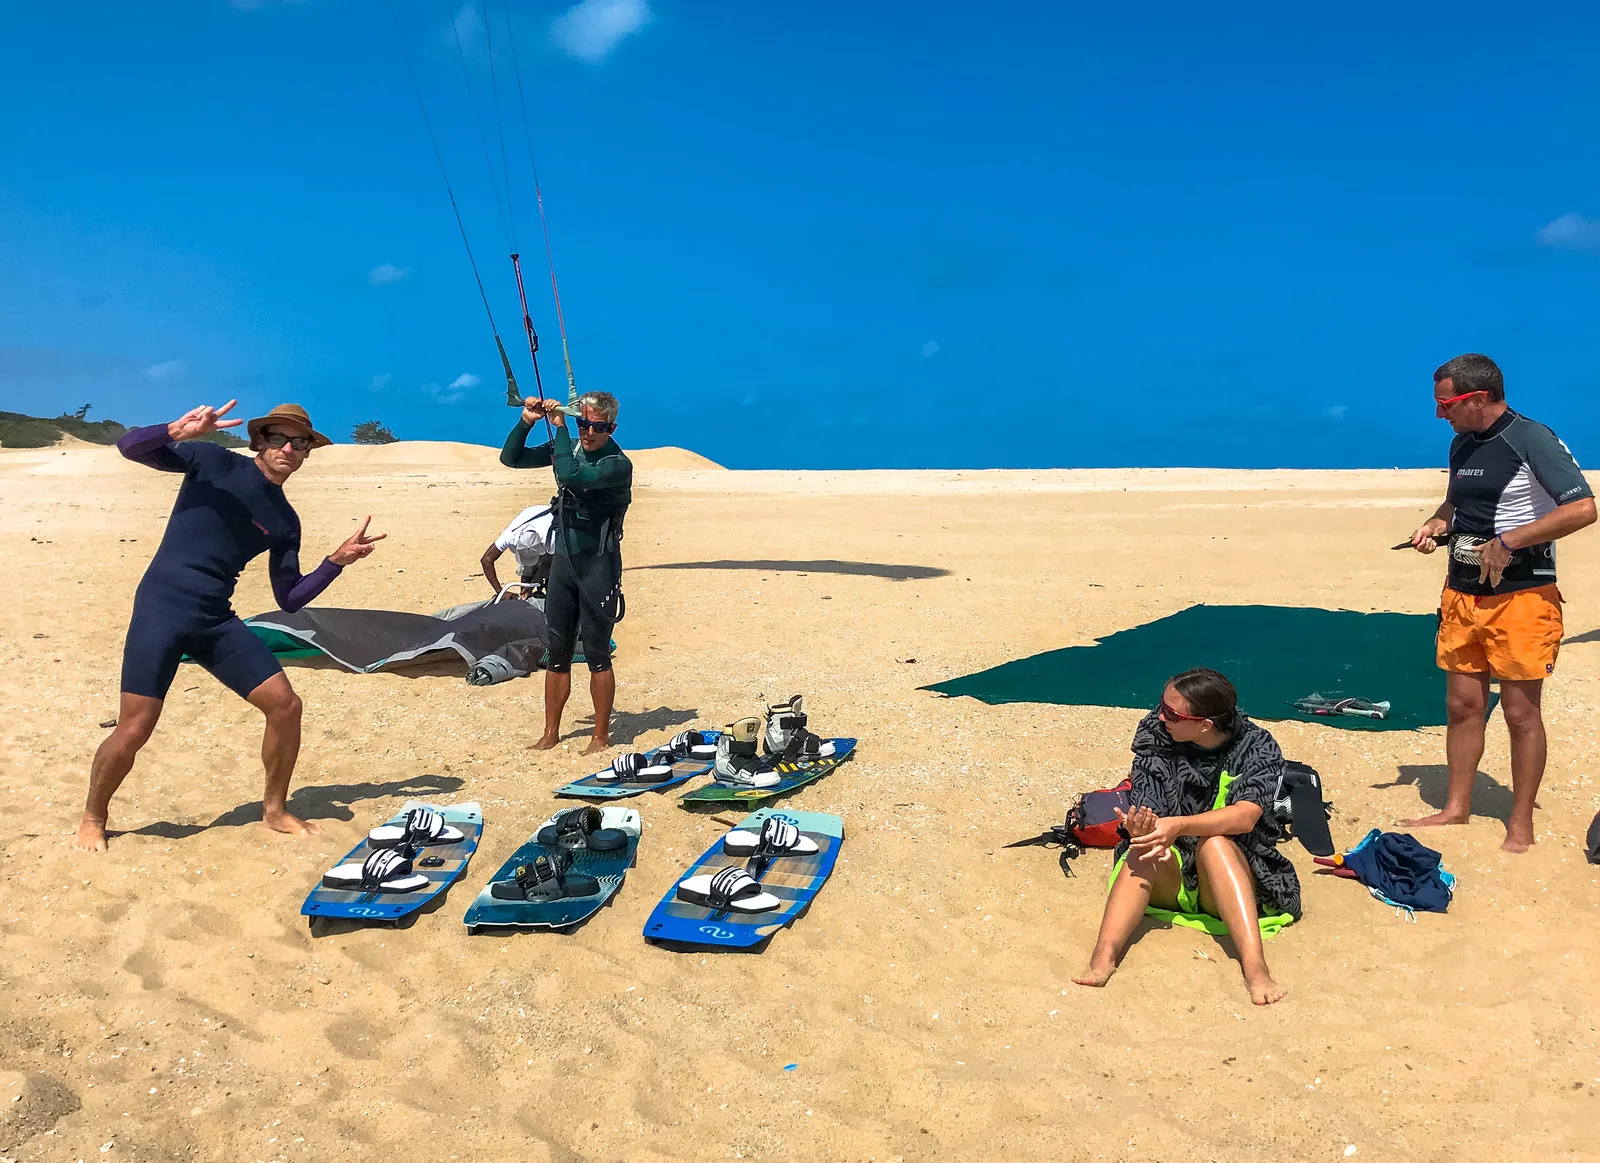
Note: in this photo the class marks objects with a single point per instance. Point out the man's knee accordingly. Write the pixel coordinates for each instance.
(278, 701)
(132, 734)
(1522, 718)
(137, 717)
(1464, 704)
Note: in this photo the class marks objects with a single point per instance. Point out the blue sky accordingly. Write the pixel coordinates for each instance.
(831, 235)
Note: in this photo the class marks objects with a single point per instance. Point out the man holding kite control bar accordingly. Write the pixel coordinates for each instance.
(1514, 490)
(229, 510)
(583, 596)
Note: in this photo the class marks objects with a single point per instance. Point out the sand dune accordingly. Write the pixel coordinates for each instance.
(165, 1000)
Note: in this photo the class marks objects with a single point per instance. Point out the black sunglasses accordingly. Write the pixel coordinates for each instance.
(595, 425)
(279, 439)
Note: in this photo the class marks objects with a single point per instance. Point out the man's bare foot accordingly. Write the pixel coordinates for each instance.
(596, 744)
(1519, 837)
(1096, 975)
(545, 742)
(292, 825)
(91, 835)
(1263, 990)
(1437, 820)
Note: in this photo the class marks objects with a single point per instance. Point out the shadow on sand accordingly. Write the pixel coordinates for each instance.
(851, 568)
(1491, 799)
(329, 802)
(626, 726)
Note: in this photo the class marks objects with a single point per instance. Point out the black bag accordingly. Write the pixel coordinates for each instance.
(1298, 805)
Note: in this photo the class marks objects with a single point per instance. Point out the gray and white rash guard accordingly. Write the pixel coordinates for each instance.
(1513, 472)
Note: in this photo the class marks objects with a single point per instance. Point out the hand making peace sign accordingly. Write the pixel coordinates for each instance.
(357, 545)
(201, 421)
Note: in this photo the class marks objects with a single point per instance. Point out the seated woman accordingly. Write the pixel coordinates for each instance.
(1202, 836)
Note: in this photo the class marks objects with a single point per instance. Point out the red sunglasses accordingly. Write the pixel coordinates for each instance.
(1168, 715)
(1441, 404)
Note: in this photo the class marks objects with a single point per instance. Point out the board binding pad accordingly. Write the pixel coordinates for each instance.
(795, 880)
(594, 788)
(609, 868)
(352, 904)
(790, 777)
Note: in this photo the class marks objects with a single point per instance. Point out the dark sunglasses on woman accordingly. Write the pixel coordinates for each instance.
(1168, 715)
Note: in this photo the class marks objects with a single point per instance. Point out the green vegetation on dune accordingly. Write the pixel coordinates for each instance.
(22, 431)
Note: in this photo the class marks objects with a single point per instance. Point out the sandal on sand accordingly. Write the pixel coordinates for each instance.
(636, 768)
(581, 828)
(384, 871)
(730, 890)
(546, 879)
(778, 837)
(423, 826)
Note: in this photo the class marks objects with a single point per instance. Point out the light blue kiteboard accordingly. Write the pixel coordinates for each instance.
(793, 880)
(661, 770)
(440, 865)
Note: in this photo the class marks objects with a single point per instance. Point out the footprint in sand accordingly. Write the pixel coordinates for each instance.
(146, 968)
(356, 1039)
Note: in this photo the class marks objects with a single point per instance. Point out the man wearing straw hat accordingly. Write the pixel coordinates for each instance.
(229, 510)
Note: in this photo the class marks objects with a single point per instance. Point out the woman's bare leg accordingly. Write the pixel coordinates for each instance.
(1138, 884)
(1227, 890)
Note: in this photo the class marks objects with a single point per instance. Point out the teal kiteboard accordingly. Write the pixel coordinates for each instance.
(787, 883)
(666, 766)
(578, 866)
(790, 777)
(434, 868)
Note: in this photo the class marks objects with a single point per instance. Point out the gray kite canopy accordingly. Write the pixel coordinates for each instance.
(369, 640)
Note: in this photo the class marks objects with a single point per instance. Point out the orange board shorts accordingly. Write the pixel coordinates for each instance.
(1513, 636)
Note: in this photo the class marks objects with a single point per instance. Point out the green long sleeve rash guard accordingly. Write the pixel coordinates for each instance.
(599, 483)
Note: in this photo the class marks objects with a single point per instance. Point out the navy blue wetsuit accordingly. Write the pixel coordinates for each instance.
(227, 513)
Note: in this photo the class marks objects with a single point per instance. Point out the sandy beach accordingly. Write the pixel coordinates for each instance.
(165, 1000)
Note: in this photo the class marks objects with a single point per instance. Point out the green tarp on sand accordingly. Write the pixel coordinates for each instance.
(1273, 654)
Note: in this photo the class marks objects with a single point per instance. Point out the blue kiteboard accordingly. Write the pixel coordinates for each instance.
(609, 868)
(599, 787)
(794, 880)
(391, 907)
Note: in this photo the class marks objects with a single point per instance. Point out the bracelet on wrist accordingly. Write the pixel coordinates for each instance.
(1501, 539)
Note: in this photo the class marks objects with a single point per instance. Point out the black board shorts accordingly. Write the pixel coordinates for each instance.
(157, 642)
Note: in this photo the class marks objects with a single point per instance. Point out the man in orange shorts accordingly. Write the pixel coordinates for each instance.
(1514, 490)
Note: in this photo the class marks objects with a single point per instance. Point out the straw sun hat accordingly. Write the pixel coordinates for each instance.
(286, 416)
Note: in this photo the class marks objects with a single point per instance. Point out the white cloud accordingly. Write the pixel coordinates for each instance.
(1337, 412)
(465, 380)
(1570, 232)
(381, 382)
(931, 349)
(590, 30)
(450, 395)
(386, 273)
(171, 369)
(466, 29)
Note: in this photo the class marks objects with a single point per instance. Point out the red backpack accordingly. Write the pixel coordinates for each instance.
(1092, 821)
